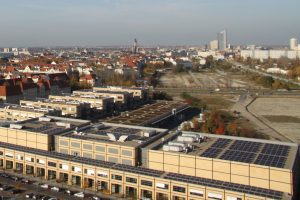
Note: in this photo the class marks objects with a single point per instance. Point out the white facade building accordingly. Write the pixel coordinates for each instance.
(293, 44)
(273, 54)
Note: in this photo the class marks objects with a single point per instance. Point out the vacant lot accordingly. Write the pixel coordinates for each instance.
(218, 79)
(282, 114)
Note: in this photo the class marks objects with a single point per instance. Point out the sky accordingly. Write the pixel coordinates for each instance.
(29, 23)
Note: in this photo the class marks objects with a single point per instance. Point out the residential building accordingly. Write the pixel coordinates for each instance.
(67, 108)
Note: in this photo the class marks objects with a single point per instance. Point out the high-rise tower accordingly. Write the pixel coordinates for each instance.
(222, 40)
(135, 46)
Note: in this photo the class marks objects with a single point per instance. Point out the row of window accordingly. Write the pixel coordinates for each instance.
(97, 148)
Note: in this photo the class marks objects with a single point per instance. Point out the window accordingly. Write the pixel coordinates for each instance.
(51, 164)
(126, 153)
(178, 189)
(87, 146)
(215, 196)
(131, 180)
(100, 157)
(146, 183)
(87, 155)
(102, 174)
(75, 144)
(113, 151)
(64, 143)
(198, 193)
(100, 148)
(1, 153)
(112, 159)
(65, 151)
(116, 177)
(126, 162)
(162, 186)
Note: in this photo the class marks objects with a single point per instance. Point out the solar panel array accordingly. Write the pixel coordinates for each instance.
(216, 148)
(138, 170)
(225, 185)
(211, 152)
(239, 156)
(273, 155)
(123, 130)
(270, 160)
(245, 146)
(221, 143)
(41, 129)
(275, 149)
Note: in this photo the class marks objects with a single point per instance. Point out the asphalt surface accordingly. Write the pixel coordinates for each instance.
(34, 188)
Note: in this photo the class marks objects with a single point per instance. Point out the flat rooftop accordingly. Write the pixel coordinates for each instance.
(48, 125)
(149, 114)
(245, 150)
(81, 96)
(22, 108)
(131, 136)
(103, 92)
(54, 101)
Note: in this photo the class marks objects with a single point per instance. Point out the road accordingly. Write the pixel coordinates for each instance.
(227, 91)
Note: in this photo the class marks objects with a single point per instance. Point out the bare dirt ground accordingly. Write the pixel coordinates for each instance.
(218, 79)
(282, 114)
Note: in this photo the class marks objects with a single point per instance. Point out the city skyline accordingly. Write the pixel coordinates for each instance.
(109, 23)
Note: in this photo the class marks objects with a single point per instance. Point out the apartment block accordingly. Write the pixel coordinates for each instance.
(103, 104)
(139, 93)
(67, 108)
(122, 99)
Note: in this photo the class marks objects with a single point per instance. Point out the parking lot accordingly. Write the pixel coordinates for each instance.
(16, 187)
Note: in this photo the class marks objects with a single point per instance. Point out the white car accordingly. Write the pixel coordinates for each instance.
(56, 189)
(79, 194)
(45, 186)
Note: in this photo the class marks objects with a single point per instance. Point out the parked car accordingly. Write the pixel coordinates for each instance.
(56, 189)
(79, 194)
(29, 195)
(37, 196)
(44, 186)
(95, 198)
(44, 198)
(5, 188)
(26, 181)
(15, 178)
(52, 198)
(69, 192)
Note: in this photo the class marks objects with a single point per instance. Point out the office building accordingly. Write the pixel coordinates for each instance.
(222, 40)
(148, 163)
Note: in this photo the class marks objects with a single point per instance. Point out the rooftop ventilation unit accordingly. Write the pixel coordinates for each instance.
(172, 148)
(66, 125)
(16, 126)
(149, 133)
(112, 137)
(44, 119)
(177, 144)
(123, 138)
(186, 139)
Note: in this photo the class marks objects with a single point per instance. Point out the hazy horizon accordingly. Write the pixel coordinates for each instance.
(42, 23)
